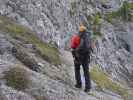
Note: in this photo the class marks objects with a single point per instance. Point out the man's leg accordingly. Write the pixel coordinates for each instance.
(78, 76)
(85, 65)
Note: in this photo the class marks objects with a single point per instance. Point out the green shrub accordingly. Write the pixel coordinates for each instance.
(96, 20)
(17, 78)
(96, 24)
(73, 8)
(110, 16)
(74, 5)
(123, 13)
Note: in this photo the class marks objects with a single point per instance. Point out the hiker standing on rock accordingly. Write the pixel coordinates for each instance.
(81, 47)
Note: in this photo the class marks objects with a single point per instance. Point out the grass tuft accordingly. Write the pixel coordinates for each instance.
(104, 82)
(48, 52)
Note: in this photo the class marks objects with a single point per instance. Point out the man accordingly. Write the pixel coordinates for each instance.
(82, 57)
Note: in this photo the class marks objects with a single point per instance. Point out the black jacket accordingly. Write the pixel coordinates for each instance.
(85, 42)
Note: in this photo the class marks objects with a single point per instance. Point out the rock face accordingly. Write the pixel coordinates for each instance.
(114, 53)
(47, 18)
(49, 83)
(53, 20)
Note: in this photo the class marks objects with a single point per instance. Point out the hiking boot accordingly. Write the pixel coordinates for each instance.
(78, 86)
(87, 90)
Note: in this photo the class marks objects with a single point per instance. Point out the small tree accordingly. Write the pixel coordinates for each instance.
(124, 11)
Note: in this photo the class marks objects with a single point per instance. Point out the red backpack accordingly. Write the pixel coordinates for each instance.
(75, 41)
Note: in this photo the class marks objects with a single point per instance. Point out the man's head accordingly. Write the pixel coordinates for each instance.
(82, 28)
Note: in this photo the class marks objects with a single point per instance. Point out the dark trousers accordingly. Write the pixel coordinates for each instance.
(83, 60)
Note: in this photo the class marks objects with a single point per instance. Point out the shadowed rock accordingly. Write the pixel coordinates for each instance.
(25, 58)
